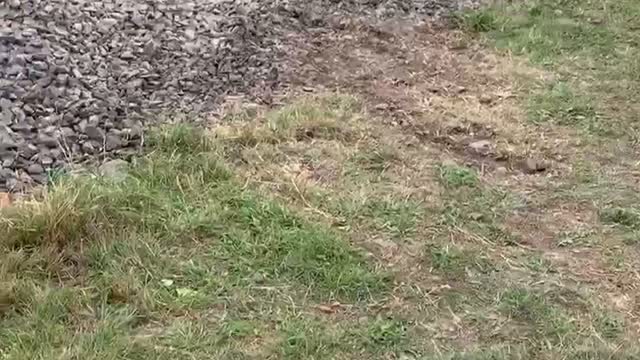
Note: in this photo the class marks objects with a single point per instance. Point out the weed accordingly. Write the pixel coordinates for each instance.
(631, 238)
(398, 217)
(539, 264)
(523, 304)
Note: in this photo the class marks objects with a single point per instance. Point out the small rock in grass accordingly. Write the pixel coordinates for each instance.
(485, 99)
(6, 141)
(116, 170)
(94, 133)
(113, 142)
(35, 169)
(501, 170)
(481, 146)
(47, 140)
(532, 166)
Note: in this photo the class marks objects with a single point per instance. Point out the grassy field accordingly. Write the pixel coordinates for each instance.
(318, 231)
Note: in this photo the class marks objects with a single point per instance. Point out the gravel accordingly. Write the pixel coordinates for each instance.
(80, 79)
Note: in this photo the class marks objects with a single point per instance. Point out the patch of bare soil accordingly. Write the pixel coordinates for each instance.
(436, 84)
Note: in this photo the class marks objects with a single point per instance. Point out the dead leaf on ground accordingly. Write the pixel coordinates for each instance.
(331, 308)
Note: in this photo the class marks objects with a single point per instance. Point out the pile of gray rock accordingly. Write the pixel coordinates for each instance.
(79, 79)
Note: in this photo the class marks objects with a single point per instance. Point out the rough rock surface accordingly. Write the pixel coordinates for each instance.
(80, 78)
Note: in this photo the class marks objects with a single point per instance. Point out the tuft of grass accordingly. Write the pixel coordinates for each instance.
(609, 326)
(482, 20)
(307, 340)
(62, 218)
(621, 216)
(457, 176)
(386, 334)
(376, 160)
(550, 322)
(455, 263)
(304, 120)
(181, 139)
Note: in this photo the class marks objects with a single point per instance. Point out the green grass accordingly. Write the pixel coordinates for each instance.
(179, 235)
(559, 105)
(626, 217)
(454, 176)
(389, 214)
(546, 29)
(386, 333)
(591, 46)
(477, 21)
